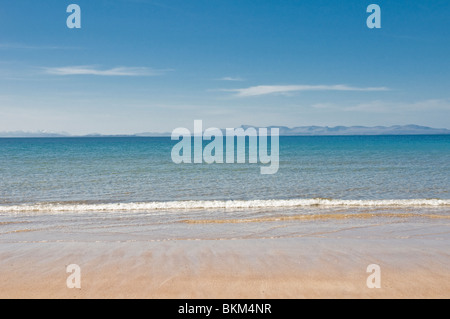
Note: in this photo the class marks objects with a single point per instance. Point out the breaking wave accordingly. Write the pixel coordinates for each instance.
(223, 204)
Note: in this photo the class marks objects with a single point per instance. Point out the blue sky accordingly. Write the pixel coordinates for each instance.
(139, 66)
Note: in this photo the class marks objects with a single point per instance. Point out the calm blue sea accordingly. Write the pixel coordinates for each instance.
(128, 189)
(75, 171)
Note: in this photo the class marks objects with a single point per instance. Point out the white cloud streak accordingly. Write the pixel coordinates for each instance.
(21, 46)
(400, 107)
(231, 78)
(90, 70)
(388, 107)
(284, 89)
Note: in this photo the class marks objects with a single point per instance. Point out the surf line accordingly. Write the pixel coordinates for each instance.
(213, 152)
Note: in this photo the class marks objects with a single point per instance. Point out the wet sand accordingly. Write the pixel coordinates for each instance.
(316, 267)
(148, 255)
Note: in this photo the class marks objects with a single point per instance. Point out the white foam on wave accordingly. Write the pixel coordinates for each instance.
(222, 204)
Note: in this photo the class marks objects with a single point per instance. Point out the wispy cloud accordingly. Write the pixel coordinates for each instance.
(284, 89)
(231, 78)
(22, 46)
(379, 106)
(400, 107)
(91, 70)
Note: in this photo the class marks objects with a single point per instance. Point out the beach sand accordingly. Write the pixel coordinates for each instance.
(245, 268)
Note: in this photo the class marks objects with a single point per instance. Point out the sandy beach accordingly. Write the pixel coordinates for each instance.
(252, 253)
(270, 268)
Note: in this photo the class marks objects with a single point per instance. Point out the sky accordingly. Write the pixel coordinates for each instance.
(152, 66)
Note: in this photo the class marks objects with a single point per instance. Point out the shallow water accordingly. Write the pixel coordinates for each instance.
(128, 189)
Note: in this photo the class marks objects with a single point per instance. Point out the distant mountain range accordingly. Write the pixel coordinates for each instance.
(284, 131)
(358, 130)
(33, 134)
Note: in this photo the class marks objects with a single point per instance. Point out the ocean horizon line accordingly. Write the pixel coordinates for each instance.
(313, 130)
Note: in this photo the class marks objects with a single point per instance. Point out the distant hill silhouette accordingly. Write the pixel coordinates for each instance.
(284, 131)
(358, 130)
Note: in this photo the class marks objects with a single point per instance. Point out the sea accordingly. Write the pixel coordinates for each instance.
(129, 188)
